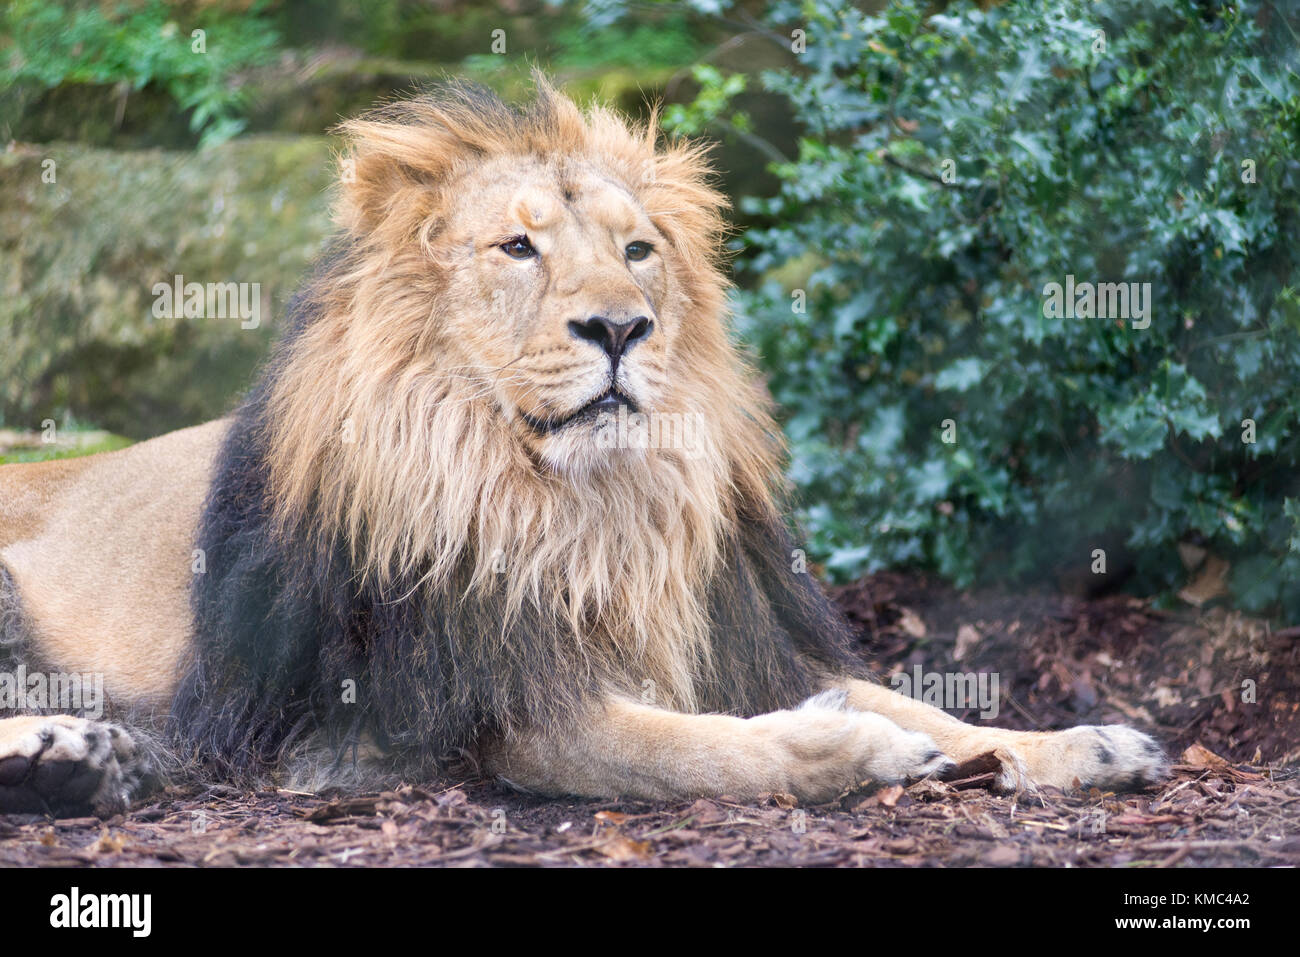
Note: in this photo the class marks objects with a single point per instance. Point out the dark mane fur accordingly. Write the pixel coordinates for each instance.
(281, 623)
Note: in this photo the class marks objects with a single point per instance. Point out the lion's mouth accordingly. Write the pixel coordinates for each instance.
(608, 401)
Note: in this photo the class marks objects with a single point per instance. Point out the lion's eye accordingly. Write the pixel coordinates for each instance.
(518, 248)
(636, 252)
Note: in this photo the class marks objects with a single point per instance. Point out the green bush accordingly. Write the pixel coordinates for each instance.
(951, 168)
(53, 42)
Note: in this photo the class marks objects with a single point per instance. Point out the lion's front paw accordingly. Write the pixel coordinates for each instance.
(825, 748)
(65, 766)
(1113, 757)
(902, 755)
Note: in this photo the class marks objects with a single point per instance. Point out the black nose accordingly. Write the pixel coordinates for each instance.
(614, 337)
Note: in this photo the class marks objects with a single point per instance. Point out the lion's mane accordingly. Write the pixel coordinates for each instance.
(383, 558)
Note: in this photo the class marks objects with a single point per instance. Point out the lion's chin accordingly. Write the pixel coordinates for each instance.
(586, 439)
(585, 446)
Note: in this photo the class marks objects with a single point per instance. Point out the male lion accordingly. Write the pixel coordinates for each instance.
(430, 531)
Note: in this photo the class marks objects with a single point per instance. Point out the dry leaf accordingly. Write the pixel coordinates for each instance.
(911, 623)
(1201, 757)
(109, 843)
(611, 817)
(1167, 697)
(888, 797)
(704, 811)
(929, 788)
(783, 800)
(623, 848)
(1210, 583)
(967, 638)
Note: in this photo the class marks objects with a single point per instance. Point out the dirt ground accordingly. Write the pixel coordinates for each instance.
(1219, 689)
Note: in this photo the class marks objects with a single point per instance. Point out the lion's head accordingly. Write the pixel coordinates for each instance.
(520, 360)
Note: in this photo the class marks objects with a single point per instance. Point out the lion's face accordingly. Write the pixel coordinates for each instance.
(565, 307)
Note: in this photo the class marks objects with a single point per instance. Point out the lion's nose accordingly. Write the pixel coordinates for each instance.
(614, 337)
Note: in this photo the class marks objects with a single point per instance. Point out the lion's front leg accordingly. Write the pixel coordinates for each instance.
(626, 749)
(1113, 756)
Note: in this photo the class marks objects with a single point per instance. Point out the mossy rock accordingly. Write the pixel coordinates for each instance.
(80, 258)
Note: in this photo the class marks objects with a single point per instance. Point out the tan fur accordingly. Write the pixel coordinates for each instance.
(1063, 759)
(100, 551)
(635, 750)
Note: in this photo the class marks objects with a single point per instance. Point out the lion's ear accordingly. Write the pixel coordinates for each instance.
(681, 199)
(390, 174)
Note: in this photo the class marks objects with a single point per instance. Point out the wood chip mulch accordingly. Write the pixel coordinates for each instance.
(1203, 816)
(1219, 689)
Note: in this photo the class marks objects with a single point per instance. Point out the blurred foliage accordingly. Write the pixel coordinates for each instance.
(951, 168)
(710, 106)
(559, 34)
(124, 73)
(134, 44)
(666, 41)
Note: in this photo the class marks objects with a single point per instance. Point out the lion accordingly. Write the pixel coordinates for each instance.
(443, 528)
